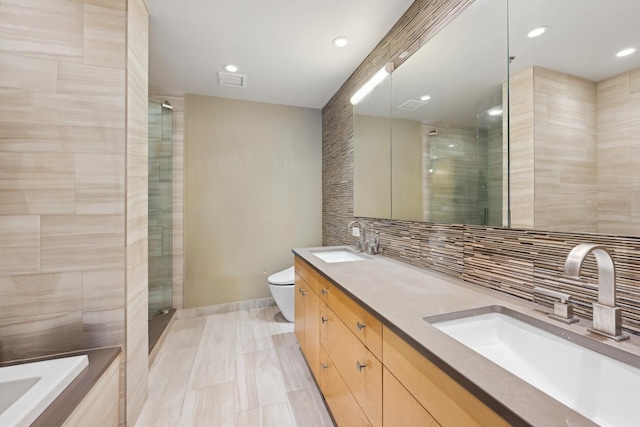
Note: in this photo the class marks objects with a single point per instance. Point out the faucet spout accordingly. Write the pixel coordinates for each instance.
(607, 317)
(606, 270)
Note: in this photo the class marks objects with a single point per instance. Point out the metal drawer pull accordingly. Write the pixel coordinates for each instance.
(324, 319)
(304, 294)
(325, 291)
(360, 326)
(324, 366)
(360, 366)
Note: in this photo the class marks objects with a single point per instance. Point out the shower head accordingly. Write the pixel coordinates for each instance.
(166, 104)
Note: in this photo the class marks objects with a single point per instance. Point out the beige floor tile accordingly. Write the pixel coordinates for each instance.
(211, 406)
(241, 368)
(246, 393)
(308, 409)
(277, 415)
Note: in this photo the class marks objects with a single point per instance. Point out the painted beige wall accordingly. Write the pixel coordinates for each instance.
(406, 170)
(371, 166)
(252, 193)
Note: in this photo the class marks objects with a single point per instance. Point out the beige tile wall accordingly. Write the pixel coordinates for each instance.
(73, 102)
(618, 119)
(547, 107)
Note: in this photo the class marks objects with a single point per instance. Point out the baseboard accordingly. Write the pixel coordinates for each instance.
(191, 313)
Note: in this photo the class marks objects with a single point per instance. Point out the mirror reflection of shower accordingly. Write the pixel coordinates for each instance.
(462, 171)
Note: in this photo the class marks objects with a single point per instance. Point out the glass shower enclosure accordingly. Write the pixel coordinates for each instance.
(160, 206)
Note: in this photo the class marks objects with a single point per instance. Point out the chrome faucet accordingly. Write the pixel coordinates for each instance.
(607, 318)
(363, 238)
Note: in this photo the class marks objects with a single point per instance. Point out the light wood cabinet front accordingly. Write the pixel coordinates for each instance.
(400, 408)
(359, 368)
(450, 404)
(361, 322)
(307, 322)
(343, 405)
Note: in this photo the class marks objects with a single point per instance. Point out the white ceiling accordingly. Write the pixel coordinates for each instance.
(283, 46)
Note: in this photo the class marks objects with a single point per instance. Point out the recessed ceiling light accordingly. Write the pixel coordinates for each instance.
(537, 31)
(231, 68)
(425, 98)
(626, 52)
(340, 41)
(451, 145)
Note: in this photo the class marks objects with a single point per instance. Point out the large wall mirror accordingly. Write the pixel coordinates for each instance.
(572, 100)
(446, 118)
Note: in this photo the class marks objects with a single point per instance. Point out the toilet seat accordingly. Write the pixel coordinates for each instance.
(282, 278)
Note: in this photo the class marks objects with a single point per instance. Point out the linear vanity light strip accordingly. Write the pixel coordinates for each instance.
(372, 83)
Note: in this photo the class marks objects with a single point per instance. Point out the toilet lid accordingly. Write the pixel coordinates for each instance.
(284, 277)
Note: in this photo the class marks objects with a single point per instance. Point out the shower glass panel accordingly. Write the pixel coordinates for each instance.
(464, 181)
(160, 207)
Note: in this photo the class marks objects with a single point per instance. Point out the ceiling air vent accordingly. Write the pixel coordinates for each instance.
(412, 105)
(232, 79)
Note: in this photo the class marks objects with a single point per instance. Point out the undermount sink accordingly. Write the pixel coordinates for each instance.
(596, 380)
(339, 255)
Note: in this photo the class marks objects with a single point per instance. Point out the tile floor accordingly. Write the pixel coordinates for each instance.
(236, 369)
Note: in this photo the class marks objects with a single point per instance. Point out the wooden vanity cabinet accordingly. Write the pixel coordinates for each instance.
(364, 325)
(400, 408)
(344, 407)
(307, 314)
(358, 367)
(450, 404)
(369, 376)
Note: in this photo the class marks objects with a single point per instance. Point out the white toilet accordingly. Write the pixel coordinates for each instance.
(281, 285)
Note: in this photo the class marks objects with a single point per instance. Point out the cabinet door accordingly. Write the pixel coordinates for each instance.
(400, 408)
(312, 331)
(299, 300)
(343, 406)
(359, 368)
(446, 400)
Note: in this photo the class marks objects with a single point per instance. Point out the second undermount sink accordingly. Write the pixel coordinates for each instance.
(596, 380)
(332, 255)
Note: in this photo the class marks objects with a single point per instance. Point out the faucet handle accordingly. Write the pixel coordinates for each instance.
(562, 309)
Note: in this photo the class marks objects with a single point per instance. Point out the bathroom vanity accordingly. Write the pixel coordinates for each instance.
(379, 363)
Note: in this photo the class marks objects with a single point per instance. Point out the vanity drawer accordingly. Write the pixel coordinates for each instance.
(446, 400)
(358, 367)
(343, 405)
(363, 324)
(400, 407)
(307, 273)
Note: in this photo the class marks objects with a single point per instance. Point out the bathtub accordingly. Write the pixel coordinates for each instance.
(27, 389)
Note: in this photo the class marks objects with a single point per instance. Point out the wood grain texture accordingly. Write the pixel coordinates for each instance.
(400, 408)
(448, 402)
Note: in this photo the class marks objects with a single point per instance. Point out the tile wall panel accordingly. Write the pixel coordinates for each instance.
(32, 336)
(19, 244)
(38, 75)
(41, 28)
(512, 261)
(102, 289)
(136, 289)
(57, 138)
(38, 294)
(63, 182)
(104, 37)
